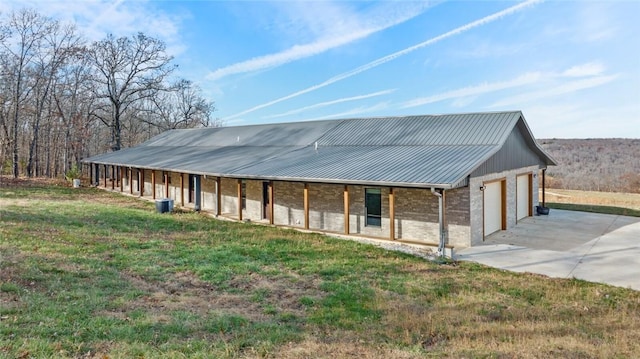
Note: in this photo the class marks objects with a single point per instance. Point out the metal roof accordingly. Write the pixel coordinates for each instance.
(414, 151)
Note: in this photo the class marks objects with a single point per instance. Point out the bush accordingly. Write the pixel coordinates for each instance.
(73, 173)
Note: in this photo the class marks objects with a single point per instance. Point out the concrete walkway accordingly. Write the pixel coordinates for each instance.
(566, 244)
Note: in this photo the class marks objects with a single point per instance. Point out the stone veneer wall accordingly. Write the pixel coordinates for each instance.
(146, 189)
(254, 208)
(476, 202)
(457, 217)
(208, 199)
(416, 213)
(416, 210)
(229, 191)
(135, 173)
(229, 200)
(288, 208)
(326, 207)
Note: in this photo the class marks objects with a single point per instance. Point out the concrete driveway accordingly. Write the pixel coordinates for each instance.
(566, 244)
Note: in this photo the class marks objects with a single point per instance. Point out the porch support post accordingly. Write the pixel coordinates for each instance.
(182, 189)
(130, 180)
(346, 209)
(306, 206)
(392, 215)
(90, 174)
(166, 184)
(239, 199)
(271, 204)
(113, 177)
(105, 176)
(503, 189)
(530, 199)
(544, 170)
(153, 184)
(141, 182)
(197, 189)
(218, 197)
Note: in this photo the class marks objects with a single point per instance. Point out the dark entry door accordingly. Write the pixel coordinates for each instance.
(191, 190)
(266, 210)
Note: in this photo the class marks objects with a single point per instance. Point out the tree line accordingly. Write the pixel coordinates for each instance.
(63, 98)
(605, 165)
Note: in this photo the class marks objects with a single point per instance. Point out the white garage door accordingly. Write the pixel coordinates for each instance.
(492, 207)
(522, 197)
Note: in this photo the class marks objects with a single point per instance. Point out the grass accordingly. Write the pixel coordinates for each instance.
(595, 209)
(593, 198)
(87, 273)
(624, 204)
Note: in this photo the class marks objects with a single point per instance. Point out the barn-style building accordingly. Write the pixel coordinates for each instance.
(431, 179)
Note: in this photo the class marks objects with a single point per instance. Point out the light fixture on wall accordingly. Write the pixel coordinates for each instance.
(483, 187)
(535, 175)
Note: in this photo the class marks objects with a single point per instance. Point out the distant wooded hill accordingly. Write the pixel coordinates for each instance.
(608, 165)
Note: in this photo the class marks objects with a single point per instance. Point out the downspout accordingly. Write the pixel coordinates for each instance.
(440, 221)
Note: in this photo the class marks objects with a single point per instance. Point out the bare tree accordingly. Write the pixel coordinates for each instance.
(180, 106)
(74, 104)
(127, 71)
(60, 42)
(61, 101)
(27, 29)
(4, 99)
(604, 164)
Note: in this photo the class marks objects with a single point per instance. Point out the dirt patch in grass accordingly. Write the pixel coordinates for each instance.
(349, 347)
(182, 291)
(9, 181)
(248, 296)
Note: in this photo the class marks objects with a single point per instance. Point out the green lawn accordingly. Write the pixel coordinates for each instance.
(622, 211)
(86, 273)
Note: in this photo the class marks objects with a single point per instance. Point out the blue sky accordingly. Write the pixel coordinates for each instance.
(572, 67)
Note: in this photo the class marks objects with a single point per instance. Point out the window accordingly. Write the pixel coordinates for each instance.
(373, 206)
(244, 194)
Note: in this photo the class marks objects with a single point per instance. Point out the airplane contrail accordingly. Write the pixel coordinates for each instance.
(459, 30)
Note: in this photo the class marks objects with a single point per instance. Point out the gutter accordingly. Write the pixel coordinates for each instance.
(440, 220)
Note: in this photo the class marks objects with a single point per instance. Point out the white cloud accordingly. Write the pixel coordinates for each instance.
(554, 86)
(96, 19)
(337, 28)
(329, 103)
(555, 90)
(595, 22)
(588, 69)
(526, 79)
(483, 21)
(353, 112)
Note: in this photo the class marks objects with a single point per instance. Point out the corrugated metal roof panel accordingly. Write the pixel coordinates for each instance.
(469, 129)
(204, 160)
(433, 150)
(280, 134)
(389, 164)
